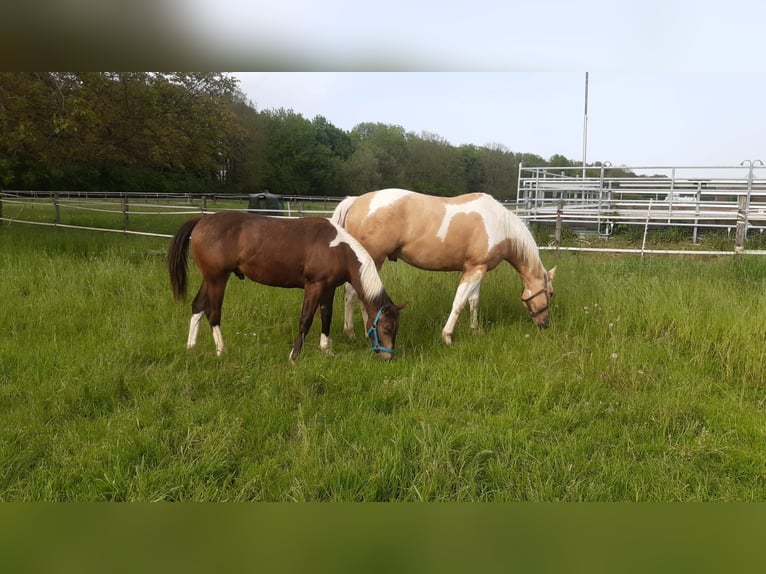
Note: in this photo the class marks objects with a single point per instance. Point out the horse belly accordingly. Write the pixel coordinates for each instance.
(431, 256)
(273, 274)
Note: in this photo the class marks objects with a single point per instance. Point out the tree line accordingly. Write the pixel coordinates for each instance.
(198, 133)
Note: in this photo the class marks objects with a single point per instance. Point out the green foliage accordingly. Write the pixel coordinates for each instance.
(645, 387)
(195, 133)
(106, 131)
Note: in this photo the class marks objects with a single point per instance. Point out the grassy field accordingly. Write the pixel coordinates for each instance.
(649, 385)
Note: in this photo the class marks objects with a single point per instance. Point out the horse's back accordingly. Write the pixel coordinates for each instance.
(270, 250)
(429, 232)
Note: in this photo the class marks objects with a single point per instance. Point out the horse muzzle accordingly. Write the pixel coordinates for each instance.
(383, 356)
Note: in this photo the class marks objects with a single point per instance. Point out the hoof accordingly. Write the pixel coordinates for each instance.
(447, 339)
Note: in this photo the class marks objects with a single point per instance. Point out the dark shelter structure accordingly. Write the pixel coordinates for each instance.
(266, 203)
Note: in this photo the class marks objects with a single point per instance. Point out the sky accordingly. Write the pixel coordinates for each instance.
(671, 82)
(634, 119)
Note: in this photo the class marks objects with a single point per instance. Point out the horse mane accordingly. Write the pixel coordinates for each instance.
(368, 272)
(523, 244)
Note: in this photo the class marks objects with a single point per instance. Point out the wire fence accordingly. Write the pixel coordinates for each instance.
(129, 213)
(593, 208)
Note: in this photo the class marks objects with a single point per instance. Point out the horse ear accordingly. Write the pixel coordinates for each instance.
(402, 306)
(552, 273)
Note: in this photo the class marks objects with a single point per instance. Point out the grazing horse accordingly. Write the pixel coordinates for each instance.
(312, 253)
(471, 233)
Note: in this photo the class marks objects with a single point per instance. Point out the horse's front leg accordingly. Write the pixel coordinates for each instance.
(349, 301)
(325, 311)
(311, 296)
(468, 290)
(473, 304)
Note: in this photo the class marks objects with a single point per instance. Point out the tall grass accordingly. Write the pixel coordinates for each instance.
(649, 385)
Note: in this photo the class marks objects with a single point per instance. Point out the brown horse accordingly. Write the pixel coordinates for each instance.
(471, 233)
(312, 253)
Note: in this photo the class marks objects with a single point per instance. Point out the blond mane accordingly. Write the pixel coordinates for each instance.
(368, 273)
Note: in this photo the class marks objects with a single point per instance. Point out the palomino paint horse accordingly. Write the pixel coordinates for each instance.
(311, 253)
(471, 233)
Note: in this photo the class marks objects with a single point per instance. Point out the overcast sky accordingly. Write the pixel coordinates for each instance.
(634, 119)
(671, 82)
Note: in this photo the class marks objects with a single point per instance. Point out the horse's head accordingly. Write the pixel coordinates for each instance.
(536, 296)
(382, 328)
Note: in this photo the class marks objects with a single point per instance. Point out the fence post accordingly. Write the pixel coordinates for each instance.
(204, 204)
(741, 236)
(646, 228)
(559, 212)
(56, 207)
(1, 208)
(125, 216)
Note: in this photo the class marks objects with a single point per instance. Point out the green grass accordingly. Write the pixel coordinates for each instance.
(648, 386)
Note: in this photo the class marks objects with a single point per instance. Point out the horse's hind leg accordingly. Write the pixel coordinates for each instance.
(209, 301)
(194, 329)
(198, 311)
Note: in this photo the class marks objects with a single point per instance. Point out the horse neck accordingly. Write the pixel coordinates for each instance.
(371, 301)
(373, 305)
(526, 263)
(522, 252)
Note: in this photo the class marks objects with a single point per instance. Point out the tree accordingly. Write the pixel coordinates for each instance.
(434, 166)
(388, 145)
(116, 130)
(500, 171)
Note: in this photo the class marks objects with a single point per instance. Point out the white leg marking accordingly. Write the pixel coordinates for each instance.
(194, 329)
(219, 348)
(465, 291)
(348, 311)
(325, 343)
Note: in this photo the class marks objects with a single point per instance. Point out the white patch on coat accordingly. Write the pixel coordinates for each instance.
(218, 338)
(386, 197)
(494, 220)
(194, 329)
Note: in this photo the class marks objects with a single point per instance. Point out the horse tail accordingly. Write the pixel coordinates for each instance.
(341, 211)
(178, 253)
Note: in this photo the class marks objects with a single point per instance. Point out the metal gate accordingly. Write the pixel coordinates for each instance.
(595, 200)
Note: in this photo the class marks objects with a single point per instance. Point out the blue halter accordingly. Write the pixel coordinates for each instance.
(373, 332)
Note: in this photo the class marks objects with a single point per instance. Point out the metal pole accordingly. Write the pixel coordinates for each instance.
(741, 235)
(585, 129)
(751, 164)
(125, 212)
(559, 212)
(646, 228)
